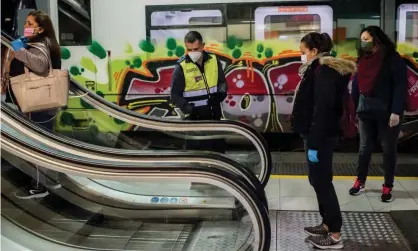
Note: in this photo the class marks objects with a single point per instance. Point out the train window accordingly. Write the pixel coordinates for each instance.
(408, 23)
(186, 17)
(176, 24)
(74, 20)
(292, 22)
(239, 23)
(290, 26)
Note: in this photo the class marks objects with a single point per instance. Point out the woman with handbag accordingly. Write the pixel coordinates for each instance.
(39, 31)
(379, 92)
(316, 116)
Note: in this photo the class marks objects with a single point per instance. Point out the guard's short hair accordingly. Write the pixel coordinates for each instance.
(193, 36)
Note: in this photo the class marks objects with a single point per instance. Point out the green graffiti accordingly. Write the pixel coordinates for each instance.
(94, 130)
(100, 94)
(132, 66)
(231, 42)
(170, 53)
(67, 119)
(180, 51)
(74, 71)
(85, 105)
(236, 53)
(334, 53)
(415, 54)
(118, 121)
(137, 62)
(259, 56)
(147, 46)
(82, 69)
(260, 48)
(128, 48)
(96, 49)
(88, 64)
(269, 53)
(171, 44)
(65, 53)
(127, 62)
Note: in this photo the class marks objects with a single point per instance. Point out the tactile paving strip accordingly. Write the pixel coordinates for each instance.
(361, 232)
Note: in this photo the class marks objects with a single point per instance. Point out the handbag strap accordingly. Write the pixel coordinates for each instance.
(41, 47)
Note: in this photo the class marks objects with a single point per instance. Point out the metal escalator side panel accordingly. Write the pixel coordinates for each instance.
(181, 126)
(68, 149)
(258, 213)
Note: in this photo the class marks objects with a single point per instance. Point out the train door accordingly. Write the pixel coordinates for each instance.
(166, 28)
(286, 25)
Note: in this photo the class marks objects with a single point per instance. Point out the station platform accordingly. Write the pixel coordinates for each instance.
(368, 223)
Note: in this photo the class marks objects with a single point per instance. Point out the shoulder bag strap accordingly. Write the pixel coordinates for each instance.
(44, 51)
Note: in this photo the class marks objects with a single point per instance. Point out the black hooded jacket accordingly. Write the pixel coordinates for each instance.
(318, 103)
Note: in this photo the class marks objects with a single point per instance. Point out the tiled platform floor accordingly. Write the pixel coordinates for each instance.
(297, 194)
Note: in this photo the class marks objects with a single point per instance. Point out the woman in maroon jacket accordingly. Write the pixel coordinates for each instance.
(379, 92)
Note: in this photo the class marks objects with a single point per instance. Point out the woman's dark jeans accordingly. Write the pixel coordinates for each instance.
(320, 177)
(372, 130)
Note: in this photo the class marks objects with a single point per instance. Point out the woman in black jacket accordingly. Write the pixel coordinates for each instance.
(379, 92)
(316, 116)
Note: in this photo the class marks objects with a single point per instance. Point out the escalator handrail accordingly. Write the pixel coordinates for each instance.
(235, 184)
(11, 117)
(176, 125)
(181, 126)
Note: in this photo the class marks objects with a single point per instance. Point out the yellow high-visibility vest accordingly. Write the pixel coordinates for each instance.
(198, 84)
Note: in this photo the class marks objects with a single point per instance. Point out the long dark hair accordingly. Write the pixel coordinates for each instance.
(48, 35)
(380, 39)
(320, 41)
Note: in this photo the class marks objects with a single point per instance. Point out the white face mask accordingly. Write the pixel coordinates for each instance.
(304, 58)
(195, 55)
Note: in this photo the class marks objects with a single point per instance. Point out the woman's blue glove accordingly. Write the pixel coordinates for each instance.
(313, 156)
(19, 43)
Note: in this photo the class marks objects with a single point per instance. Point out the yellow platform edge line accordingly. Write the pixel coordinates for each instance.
(275, 176)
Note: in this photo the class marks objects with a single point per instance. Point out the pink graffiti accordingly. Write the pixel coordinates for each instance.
(151, 87)
(241, 81)
(284, 78)
(412, 91)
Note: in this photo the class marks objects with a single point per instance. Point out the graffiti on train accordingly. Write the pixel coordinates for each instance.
(262, 79)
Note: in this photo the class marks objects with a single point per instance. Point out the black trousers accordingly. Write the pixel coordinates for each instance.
(320, 177)
(212, 145)
(370, 131)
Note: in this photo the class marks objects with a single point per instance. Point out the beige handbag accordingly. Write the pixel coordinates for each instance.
(36, 93)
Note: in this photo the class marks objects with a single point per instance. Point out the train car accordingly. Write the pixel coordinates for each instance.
(126, 51)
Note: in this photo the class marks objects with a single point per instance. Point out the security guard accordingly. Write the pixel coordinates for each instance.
(198, 87)
(198, 84)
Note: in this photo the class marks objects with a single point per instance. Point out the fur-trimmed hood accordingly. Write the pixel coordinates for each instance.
(343, 66)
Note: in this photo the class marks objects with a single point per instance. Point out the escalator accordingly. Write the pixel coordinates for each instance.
(171, 132)
(171, 223)
(73, 149)
(104, 191)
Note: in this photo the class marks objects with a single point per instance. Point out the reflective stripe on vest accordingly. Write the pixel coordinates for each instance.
(197, 93)
(195, 85)
(200, 103)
